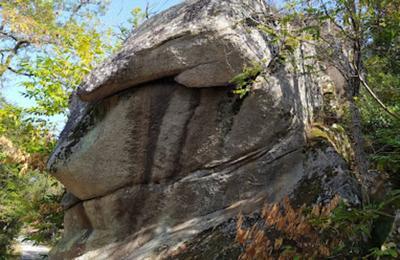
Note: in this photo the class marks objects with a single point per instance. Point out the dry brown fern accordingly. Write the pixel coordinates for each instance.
(285, 233)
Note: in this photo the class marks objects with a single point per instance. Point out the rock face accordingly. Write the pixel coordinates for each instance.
(199, 43)
(158, 149)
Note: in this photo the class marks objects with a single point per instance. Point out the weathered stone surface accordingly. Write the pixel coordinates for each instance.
(161, 217)
(162, 150)
(76, 220)
(163, 130)
(201, 43)
(327, 176)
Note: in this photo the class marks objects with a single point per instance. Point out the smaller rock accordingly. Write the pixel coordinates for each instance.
(328, 176)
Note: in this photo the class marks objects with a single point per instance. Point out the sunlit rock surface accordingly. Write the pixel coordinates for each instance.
(158, 150)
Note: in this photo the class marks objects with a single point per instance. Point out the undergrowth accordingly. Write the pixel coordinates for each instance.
(331, 231)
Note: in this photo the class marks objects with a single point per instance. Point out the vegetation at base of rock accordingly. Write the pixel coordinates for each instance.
(333, 230)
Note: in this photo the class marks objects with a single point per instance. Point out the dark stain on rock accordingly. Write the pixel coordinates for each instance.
(237, 104)
(96, 113)
(158, 107)
(225, 115)
(192, 11)
(251, 22)
(195, 100)
(228, 108)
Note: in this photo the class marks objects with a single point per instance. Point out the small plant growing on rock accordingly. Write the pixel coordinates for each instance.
(244, 80)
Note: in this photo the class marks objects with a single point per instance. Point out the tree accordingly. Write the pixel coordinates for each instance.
(382, 65)
(28, 196)
(346, 30)
(53, 45)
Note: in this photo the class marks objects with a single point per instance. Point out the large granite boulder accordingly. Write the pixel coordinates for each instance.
(158, 149)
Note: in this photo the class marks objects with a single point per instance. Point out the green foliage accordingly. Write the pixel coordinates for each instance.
(285, 39)
(62, 43)
(383, 74)
(244, 80)
(44, 217)
(373, 27)
(354, 226)
(9, 217)
(16, 125)
(137, 17)
(388, 250)
(28, 195)
(384, 144)
(334, 230)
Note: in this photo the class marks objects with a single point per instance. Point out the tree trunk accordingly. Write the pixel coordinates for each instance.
(354, 84)
(353, 91)
(361, 162)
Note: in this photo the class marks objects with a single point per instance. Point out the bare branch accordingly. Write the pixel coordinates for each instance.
(19, 72)
(19, 45)
(79, 7)
(6, 50)
(376, 98)
(332, 19)
(147, 11)
(9, 35)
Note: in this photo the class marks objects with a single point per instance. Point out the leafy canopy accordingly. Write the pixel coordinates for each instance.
(53, 44)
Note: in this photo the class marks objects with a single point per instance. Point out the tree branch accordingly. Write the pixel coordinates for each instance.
(376, 98)
(8, 34)
(19, 45)
(19, 72)
(332, 19)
